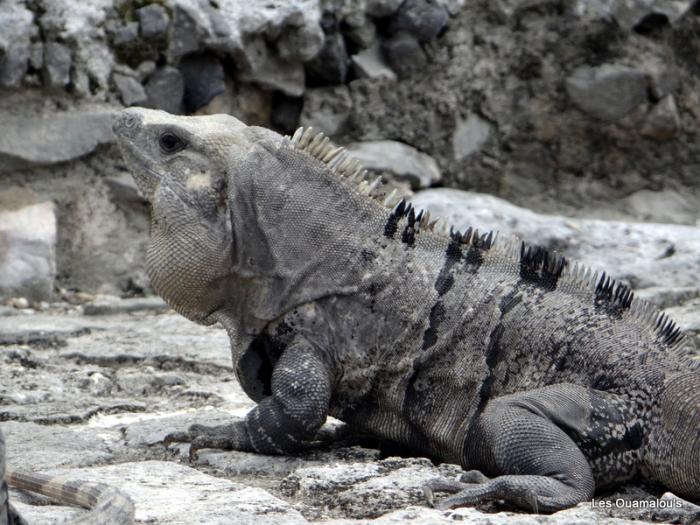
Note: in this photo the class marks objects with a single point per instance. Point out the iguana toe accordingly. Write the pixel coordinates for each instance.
(223, 437)
(441, 485)
(176, 437)
(473, 476)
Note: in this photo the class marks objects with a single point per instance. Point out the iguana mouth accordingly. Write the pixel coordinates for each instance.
(146, 178)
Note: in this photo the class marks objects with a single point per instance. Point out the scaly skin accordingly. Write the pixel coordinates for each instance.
(542, 380)
(108, 505)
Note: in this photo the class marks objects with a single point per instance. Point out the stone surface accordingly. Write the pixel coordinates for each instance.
(57, 63)
(607, 92)
(153, 21)
(58, 137)
(261, 66)
(360, 28)
(130, 90)
(326, 109)
(110, 305)
(631, 13)
(398, 160)
(370, 63)
(82, 27)
(423, 19)
(299, 43)
(126, 35)
(404, 54)
(188, 29)
(123, 188)
(470, 135)
(330, 65)
(667, 206)
(27, 246)
(16, 31)
(203, 77)
(382, 8)
(663, 121)
(165, 89)
(285, 112)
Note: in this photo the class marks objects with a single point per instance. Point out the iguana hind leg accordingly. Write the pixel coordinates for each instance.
(526, 441)
(283, 422)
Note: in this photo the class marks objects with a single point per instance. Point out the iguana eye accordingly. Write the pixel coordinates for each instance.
(171, 143)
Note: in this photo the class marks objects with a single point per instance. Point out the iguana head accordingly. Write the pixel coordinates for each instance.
(181, 166)
(245, 220)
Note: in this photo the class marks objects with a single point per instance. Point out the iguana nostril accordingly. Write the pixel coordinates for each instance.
(126, 122)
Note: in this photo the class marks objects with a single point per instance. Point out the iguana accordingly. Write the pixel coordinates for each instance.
(542, 379)
(108, 505)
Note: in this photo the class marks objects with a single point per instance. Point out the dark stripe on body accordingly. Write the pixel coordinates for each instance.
(445, 279)
(436, 317)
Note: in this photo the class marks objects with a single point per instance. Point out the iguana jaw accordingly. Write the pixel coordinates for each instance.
(127, 127)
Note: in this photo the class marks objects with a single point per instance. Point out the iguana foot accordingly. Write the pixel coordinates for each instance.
(224, 437)
(441, 485)
(504, 487)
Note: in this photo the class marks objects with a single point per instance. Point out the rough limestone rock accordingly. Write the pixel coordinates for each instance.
(401, 161)
(370, 63)
(57, 61)
(424, 19)
(165, 89)
(381, 8)
(81, 26)
(631, 13)
(203, 77)
(268, 70)
(330, 65)
(27, 246)
(326, 109)
(404, 54)
(245, 29)
(27, 141)
(153, 21)
(470, 135)
(130, 90)
(663, 121)
(16, 31)
(607, 92)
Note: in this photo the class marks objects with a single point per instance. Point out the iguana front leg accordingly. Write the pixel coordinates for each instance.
(283, 422)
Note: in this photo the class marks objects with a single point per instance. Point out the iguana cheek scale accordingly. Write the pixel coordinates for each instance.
(543, 379)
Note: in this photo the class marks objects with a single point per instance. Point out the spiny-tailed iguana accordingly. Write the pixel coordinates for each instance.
(509, 360)
(108, 505)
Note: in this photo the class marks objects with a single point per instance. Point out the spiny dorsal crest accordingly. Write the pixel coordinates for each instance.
(535, 262)
(340, 162)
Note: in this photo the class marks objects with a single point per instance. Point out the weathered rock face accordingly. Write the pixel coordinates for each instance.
(58, 137)
(27, 245)
(398, 161)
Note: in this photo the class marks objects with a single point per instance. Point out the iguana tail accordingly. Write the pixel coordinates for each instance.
(673, 456)
(108, 505)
